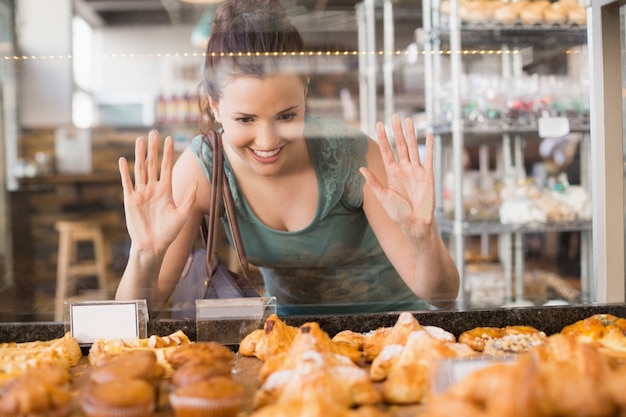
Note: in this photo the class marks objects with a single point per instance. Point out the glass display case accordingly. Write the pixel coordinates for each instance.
(607, 63)
(370, 58)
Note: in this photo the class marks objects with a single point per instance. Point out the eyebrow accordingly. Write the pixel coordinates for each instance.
(288, 109)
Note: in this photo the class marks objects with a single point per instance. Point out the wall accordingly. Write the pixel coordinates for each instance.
(45, 83)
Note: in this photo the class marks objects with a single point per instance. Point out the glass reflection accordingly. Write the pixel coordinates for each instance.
(144, 74)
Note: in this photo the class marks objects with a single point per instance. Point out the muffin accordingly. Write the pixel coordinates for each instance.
(120, 398)
(204, 351)
(134, 364)
(215, 397)
(195, 371)
(31, 396)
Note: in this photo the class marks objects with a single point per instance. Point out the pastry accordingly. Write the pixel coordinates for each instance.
(210, 352)
(507, 13)
(577, 15)
(134, 364)
(276, 336)
(195, 371)
(128, 398)
(447, 405)
(35, 396)
(316, 378)
(561, 377)
(396, 335)
(355, 339)
(533, 12)
(303, 345)
(555, 14)
(514, 343)
(478, 337)
(102, 349)
(407, 373)
(15, 358)
(217, 397)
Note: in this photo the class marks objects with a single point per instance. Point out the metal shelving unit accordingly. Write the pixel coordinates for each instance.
(444, 36)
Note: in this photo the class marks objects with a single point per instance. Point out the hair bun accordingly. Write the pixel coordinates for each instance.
(235, 12)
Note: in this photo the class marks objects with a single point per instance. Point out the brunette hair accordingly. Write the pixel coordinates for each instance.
(248, 38)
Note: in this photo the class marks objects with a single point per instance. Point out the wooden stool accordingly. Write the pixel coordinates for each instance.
(71, 232)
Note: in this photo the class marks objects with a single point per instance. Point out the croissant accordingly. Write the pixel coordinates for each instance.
(275, 337)
(408, 373)
(303, 343)
(575, 371)
(396, 335)
(317, 378)
(502, 389)
(559, 378)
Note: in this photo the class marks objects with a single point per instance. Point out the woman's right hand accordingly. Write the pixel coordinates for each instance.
(153, 218)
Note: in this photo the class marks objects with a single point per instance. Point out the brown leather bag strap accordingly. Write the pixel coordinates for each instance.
(219, 194)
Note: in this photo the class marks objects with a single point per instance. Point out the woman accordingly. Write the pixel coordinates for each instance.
(333, 220)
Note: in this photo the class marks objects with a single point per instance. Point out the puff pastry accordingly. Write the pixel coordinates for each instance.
(396, 335)
(561, 377)
(15, 358)
(319, 377)
(406, 370)
(303, 343)
(102, 349)
(275, 337)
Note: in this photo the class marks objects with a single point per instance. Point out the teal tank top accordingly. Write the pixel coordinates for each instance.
(335, 265)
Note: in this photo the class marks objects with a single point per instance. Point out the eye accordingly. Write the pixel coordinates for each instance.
(286, 116)
(244, 119)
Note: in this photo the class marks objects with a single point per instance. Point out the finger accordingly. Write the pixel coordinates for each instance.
(383, 144)
(167, 161)
(153, 156)
(398, 136)
(411, 141)
(140, 162)
(430, 150)
(127, 183)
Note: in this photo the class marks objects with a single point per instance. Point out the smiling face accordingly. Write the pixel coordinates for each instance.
(263, 122)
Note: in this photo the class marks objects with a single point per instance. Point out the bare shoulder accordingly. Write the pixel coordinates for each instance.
(188, 171)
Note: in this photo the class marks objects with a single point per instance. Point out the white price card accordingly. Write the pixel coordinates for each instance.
(227, 321)
(93, 320)
(553, 127)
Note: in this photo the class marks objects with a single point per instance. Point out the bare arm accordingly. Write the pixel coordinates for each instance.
(399, 201)
(162, 220)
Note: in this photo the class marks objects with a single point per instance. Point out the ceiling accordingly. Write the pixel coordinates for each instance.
(320, 21)
(162, 12)
(159, 12)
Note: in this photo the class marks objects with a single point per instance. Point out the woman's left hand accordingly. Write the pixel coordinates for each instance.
(409, 195)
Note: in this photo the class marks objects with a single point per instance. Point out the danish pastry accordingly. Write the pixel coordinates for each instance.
(479, 337)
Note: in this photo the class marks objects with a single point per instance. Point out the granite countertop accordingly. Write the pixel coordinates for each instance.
(548, 319)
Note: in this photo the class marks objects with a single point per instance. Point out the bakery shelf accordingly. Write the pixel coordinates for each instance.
(475, 136)
(450, 40)
(480, 227)
(494, 35)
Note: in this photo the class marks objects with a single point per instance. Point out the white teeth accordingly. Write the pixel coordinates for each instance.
(266, 154)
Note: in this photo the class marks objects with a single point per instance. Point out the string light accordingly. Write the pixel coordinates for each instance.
(126, 56)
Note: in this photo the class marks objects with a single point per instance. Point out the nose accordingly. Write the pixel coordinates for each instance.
(267, 136)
